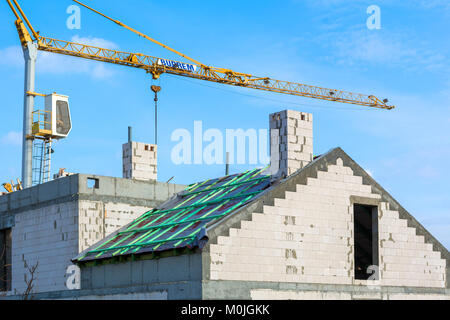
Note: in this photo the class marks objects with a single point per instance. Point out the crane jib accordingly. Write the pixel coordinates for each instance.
(177, 65)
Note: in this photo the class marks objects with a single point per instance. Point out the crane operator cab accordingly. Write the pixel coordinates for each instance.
(59, 107)
(54, 122)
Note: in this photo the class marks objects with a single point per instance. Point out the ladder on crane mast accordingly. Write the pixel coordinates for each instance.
(42, 157)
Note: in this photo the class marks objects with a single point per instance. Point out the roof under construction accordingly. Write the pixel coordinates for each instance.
(180, 222)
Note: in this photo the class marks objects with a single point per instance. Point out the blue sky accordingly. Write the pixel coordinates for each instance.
(324, 43)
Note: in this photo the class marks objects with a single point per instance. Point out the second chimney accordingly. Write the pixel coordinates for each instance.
(291, 141)
(140, 160)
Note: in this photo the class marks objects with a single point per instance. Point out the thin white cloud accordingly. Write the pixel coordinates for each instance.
(425, 163)
(12, 138)
(432, 4)
(378, 48)
(96, 42)
(51, 63)
(423, 4)
(12, 56)
(445, 92)
(354, 45)
(428, 172)
(59, 64)
(322, 3)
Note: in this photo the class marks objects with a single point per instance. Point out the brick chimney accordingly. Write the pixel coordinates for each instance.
(291, 141)
(139, 160)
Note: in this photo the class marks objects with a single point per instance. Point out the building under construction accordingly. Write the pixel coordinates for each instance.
(320, 228)
(306, 227)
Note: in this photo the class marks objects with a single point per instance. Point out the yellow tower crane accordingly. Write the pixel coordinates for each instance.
(197, 70)
(32, 41)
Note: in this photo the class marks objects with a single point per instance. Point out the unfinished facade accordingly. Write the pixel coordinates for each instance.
(50, 223)
(316, 228)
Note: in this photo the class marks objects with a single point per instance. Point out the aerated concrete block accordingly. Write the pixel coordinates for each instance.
(140, 161)
(291, 141)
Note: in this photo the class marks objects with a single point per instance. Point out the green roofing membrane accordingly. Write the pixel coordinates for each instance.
(180, 222)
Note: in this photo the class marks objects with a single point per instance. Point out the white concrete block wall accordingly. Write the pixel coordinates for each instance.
(307, 237)
(49, 236)
(55, 234)
(405, 258)
(98, 220)
(118, 215)
(91, 223)
(140, 161)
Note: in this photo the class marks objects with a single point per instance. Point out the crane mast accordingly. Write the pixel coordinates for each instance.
(32, 41)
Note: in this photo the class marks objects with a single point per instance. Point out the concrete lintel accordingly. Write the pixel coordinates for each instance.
(365, 201)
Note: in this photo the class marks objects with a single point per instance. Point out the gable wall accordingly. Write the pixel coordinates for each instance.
(307, 237)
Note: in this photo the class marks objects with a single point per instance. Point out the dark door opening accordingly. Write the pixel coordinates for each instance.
(366, 241)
